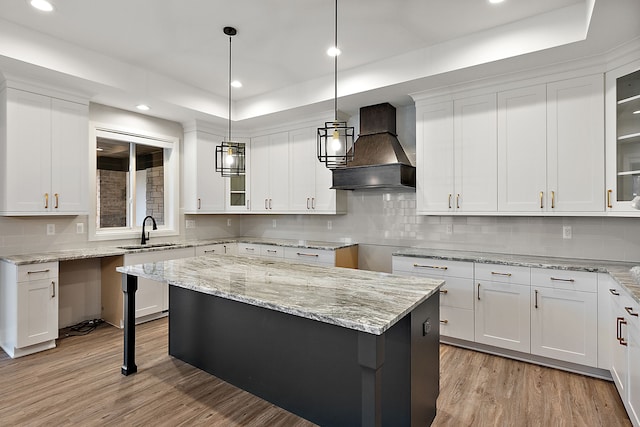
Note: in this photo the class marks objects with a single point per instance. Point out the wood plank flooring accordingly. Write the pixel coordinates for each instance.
(79, 383)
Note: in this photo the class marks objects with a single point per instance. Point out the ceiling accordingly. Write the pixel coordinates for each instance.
(173, 54)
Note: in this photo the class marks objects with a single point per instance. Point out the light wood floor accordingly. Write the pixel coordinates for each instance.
(79, 383)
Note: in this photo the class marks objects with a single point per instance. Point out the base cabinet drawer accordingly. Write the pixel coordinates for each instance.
(456, 323)
(250, 249)
(310, 256)
(432, 267)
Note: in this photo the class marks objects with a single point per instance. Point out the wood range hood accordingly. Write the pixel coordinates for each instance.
(379, 160)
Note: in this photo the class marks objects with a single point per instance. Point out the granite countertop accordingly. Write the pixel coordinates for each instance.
(365, 301)
(128, 248)
(620, 271)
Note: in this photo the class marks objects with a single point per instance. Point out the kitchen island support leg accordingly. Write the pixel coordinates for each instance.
(129, 287)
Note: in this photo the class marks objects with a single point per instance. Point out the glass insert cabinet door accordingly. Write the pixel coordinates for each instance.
(623, 137)
(237, 194)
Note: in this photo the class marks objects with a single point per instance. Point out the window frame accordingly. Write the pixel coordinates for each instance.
(171, 146)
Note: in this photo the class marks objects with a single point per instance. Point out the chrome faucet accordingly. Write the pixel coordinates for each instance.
(155, 227)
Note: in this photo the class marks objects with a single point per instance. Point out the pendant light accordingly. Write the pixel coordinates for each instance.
(335, 139)
(230, 155)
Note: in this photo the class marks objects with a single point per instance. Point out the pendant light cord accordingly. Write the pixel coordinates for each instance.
(229, 134)
(335, 66)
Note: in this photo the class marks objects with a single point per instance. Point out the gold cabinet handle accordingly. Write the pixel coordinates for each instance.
(609, 199)
(449, 200)
(46, 200)
(541, 196)
(436, 267)
(444, 291)
(563, 280)
(53, 289)
(308, 199)
(536, 300)
(614, 292)
(313, 203)
(630, 311)
(457, 201)
(199, 204)
(444, 322)
(497, 273)
(478, 291)
(56, 196)
(621, 322)
(553, 200)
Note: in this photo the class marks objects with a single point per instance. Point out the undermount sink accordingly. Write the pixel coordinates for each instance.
(152, 245)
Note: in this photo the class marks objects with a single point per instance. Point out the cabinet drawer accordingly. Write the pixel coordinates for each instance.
(248, 249)
(314, 256)
(457, 292)
(456, 323)
(432, 267)
(272, 251)
(503, 273)
(31, 272)
(215, 249)
(565, 279)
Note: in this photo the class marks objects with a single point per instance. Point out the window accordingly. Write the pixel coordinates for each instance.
(135, 176)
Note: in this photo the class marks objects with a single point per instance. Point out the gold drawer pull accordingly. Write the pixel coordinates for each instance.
(56, 196)
(444, 322)
(541, 196)
(609, 205)
(497, 273)
(562, 280)
(630, 311)
(303, 254)
(449, 201)
(457, 201)
(614, 292)
(38, 271)
(444, 291)
(553, 200)
(435, 267)
(46, 200)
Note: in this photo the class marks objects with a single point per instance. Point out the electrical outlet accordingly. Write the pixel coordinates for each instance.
(80, 227)
(191, 223)
(51, 229)
(566, 232)
(228, 222)
(449, 228)
(274, 223)
(329, 225)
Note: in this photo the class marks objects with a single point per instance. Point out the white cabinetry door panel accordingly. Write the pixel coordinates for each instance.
(456, 322)
(457, 292)
(522, 138)
(475, 154)
(303, 162)
(204, 187)
(278, 171)
(575, 144)
(634, 366)
(38, 311)
(564, 325)
(28, 148)
(69, 151)
(434, 155)
(260, 174)
(502, 315)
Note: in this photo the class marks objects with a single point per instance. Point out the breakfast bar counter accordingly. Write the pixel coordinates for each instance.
(336, 346)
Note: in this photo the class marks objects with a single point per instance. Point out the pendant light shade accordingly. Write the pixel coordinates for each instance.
(230, 155)
(335, 139)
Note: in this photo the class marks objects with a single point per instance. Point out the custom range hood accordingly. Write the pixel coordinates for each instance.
(379, 161)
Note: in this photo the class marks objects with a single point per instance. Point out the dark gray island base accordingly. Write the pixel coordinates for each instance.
(331, 371)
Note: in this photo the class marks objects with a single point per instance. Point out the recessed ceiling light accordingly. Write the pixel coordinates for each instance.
(143, 107)
(42, 5)
(236, 83)
(333, 51)
(636, 112)
(495, 1)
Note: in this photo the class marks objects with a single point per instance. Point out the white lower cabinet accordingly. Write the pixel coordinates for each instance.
(152, 298)
(456, 295)
(217, 249)
(564, 323)
(633, 407)
(29, 307)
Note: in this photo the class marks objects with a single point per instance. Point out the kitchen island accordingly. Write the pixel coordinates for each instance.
(335, 346)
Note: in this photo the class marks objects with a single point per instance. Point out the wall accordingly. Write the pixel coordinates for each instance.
(381, 222)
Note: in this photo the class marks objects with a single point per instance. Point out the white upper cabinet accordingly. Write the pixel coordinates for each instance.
(456, 156)
(310, 181)
(270, 173)
(45, 158)
(575, 145)
(204, 188)
(522, 172)
(623, 138)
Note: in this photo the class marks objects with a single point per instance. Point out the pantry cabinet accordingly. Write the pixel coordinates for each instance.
(44, 147)
(28, 307)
